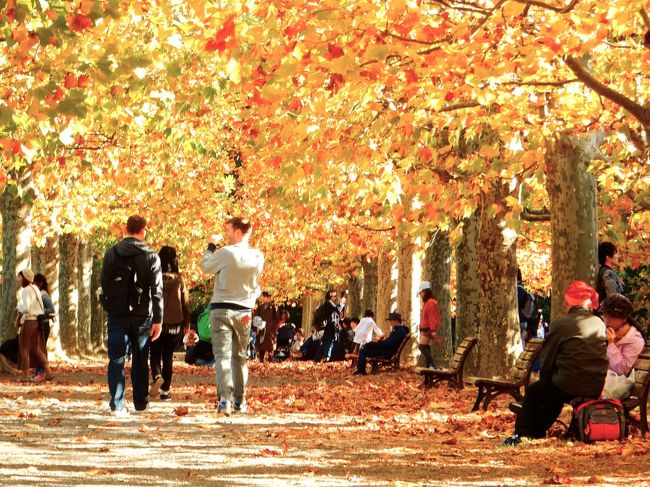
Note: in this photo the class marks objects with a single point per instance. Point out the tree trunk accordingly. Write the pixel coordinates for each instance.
(409, 271)
(437, 270)
(497, 273)
(309, 304)
(355, 287)
(84, 284)
(46, 260)
(68, 281)
(98, 318)
(574, 217)
(369, 299)
(386, 292)
(468, 287)
(16, 235)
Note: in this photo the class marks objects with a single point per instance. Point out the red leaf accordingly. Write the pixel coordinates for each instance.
(425, 154)
(79, 22)
(449, 96)
(70, 81)
(334, 51)
(411, 76)
(224, 38)
(83, 81)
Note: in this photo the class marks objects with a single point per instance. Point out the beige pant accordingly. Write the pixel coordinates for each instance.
(229, 344)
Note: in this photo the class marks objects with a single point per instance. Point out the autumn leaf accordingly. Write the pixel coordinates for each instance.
(334, 51)
(78, 22)
(224, 38)
(181, 411)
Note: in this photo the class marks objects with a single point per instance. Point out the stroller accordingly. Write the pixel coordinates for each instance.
(286, 335)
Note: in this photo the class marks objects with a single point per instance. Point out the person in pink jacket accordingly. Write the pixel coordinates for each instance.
(429, 322)
(624, 343)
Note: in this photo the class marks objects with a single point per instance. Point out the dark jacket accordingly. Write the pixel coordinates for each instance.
(147, 265)
(332, 314)
(390, 344)
(575, 354)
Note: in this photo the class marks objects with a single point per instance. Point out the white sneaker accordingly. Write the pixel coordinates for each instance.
(120, 413)
(224, 408)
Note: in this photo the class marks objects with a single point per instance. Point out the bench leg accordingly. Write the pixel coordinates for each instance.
(479, 398)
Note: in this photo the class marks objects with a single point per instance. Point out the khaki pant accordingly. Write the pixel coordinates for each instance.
(230, 344)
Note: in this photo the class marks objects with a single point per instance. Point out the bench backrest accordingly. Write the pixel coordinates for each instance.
(462, 352)
(642, 373)
(398, 354)
(525, 361)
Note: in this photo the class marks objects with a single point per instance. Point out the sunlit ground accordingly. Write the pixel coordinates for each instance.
(307, 425)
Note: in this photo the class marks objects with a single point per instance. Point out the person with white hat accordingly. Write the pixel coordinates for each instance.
(429, 322)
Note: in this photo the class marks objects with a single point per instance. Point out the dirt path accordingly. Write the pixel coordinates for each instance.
(307, 425)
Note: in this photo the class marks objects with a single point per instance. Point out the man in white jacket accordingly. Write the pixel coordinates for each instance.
(237, 267)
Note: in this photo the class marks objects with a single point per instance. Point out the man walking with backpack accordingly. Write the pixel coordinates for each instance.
(131, 294)
(526, 307)
(237, 267)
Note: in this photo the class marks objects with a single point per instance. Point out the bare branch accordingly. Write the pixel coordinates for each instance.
(562, 10)
(637, 111)
(541, 83)
(646, 18)
(370, 229)
(532, 215)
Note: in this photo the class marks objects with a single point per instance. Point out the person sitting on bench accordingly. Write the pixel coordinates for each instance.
(383, 348)
(624, 344)
(574, 364)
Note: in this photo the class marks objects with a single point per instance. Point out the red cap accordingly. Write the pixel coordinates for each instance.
(581, 291)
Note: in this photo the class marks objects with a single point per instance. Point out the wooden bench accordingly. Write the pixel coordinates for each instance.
(639, 395)
(393, 361)
(488, 389)
(454, 374)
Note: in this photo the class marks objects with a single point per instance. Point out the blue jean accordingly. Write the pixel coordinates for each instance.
(369, 350)
(230, 346)
(328, 347)
(122, 332)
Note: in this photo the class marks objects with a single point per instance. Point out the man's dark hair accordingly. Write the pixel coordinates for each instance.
(355, 319)
(427, 294)
(519, 278)
(266, 294)
(606, 249)
(41, 281)
(168, 259)
(243, 225)
(135, 224)
(368, 314)
(328, 295)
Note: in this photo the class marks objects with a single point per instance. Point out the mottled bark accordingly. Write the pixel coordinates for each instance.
(46, 261)
(370, 283)
(16, 235)
(497, 273)
(98, 317)
(574, 218)
(69, 294)
(468, 303)
(84, 284)
(355, 288)
(386, 291)
(437, 270)
(409, 271)
(310, 302)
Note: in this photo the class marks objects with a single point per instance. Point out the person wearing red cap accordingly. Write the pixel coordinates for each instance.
(574, 364)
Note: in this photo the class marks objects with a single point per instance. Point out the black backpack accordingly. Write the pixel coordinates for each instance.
(123, 292)
(320, 319)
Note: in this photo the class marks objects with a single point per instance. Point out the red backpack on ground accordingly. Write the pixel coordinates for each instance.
(599, 420)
